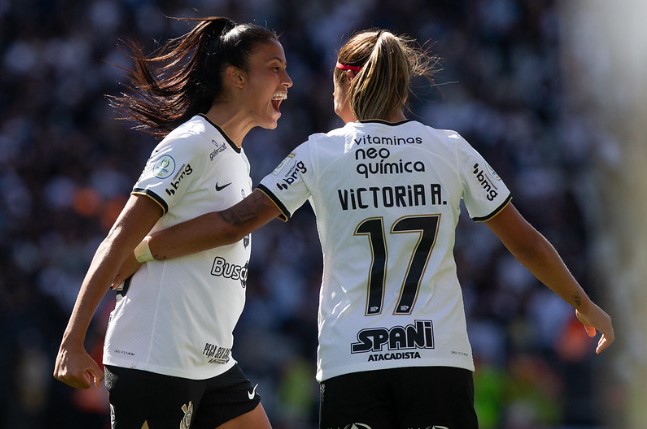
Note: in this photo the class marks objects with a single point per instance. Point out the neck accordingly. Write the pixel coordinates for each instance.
(230, 121)
(396, 116)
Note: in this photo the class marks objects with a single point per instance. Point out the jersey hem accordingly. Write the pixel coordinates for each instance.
(383, 122)
(285, 213)
(153, 196)
(172, 372)
(362, 367)
(495, 212)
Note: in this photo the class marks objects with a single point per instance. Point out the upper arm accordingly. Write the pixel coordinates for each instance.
(514, 231)
(136, 219)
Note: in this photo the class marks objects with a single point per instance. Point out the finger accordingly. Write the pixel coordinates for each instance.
(98, 378)
(88, 380)
(96, 374)
(81, 382)
(590, 330)
(77, 382)
(602, 345)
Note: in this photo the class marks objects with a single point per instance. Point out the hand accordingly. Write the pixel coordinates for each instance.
(77, 369)
(127, 269)
(595, 319)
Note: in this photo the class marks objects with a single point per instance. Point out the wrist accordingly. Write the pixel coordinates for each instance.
(143, 251)
(72, 340)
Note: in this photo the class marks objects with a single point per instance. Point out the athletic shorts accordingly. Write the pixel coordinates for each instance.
(400, 398)
(166, 402)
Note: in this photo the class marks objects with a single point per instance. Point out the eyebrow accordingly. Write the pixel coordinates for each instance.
(279, 59)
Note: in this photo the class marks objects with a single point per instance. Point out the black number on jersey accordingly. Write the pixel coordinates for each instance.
(427, 228)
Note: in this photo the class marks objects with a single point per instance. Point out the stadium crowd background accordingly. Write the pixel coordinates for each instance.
(66, 168)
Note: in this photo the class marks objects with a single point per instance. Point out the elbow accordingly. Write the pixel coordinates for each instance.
(536, 248)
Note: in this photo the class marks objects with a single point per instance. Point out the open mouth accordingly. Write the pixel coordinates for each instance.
(277, 99)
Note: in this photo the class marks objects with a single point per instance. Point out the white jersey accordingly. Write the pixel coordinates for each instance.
(178, 315)
(387, 202)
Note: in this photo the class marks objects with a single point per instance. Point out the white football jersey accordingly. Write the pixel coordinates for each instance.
(387, 202)
(177, 315)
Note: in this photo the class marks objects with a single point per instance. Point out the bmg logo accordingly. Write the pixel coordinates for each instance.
(292, 175)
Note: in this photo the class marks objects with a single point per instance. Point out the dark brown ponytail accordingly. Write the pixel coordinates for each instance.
(184, 77)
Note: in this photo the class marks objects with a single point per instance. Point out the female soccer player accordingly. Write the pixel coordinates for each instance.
(393, 344)
(167, 351)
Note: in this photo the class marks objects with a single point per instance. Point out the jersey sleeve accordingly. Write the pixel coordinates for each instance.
(169, 172)
(287, 185)
(484, 192)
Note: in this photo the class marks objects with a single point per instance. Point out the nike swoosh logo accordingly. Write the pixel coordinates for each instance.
(251, 394)
(220, 188)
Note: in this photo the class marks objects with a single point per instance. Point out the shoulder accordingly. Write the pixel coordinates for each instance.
(196, 133)
(328, 139)
(190, 131)
(193, 141)
(323, 141)
(447, 135)
(337, 133)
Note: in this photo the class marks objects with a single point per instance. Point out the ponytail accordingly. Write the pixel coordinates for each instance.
(185, 76)
(388, 62)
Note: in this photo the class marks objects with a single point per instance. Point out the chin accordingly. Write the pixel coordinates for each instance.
(270, 125)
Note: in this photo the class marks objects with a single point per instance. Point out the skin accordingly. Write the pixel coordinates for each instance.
(523, 241)
(246, 103)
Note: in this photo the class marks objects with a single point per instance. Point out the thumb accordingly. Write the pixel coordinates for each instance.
(94, 375)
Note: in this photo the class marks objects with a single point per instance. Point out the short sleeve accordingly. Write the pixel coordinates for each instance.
(287, 185)
(485, 193)
(169, 172)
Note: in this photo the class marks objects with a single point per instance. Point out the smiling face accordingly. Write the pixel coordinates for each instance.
(266, 84)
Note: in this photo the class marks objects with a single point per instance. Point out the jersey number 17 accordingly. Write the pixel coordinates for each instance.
(427, 228)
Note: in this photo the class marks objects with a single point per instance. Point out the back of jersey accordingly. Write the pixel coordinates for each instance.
(387, 200)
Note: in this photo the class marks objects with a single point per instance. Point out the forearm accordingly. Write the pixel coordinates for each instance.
(198, 234)
(540, 257)
(213, 229)
(544, 262)
(536, 253)
(136, 219)
(94, 286)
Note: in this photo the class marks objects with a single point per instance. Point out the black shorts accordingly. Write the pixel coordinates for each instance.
(414, 397)
(172, 402)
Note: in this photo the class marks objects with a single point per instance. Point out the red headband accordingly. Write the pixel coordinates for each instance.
(345, 67)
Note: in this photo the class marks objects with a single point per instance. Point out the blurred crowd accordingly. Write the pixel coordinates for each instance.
(67, 167)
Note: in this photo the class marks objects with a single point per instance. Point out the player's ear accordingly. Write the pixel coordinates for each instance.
(235, 76)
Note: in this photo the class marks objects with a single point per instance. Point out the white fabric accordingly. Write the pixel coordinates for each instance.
(384, 193)
(178, 315)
